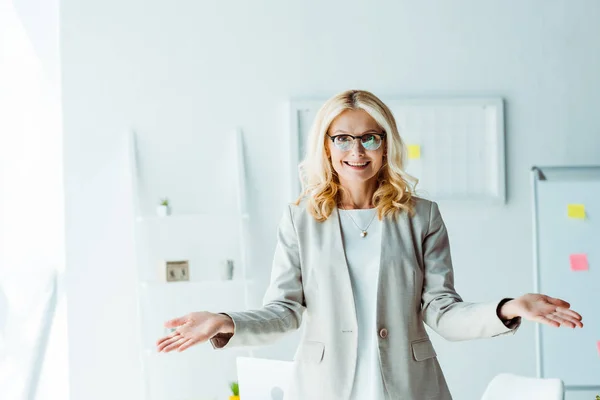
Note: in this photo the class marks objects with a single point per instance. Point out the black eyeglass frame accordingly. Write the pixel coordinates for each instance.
(381, 136)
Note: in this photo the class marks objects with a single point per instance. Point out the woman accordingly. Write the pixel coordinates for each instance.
(370, 263)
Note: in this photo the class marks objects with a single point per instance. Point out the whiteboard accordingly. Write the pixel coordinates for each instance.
(572, 355)
(461, 143)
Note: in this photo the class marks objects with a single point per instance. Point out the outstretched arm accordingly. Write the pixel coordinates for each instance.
(282, 310)
(283, 301)
(446, 313)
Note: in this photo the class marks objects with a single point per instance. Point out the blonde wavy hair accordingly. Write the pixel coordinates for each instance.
(321, 188)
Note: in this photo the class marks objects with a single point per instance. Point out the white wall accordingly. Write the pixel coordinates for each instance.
(184, 72)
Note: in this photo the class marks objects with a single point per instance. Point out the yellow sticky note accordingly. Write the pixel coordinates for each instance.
(576, 211)
(414, 151)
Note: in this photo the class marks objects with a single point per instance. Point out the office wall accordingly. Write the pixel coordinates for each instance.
(184, 72)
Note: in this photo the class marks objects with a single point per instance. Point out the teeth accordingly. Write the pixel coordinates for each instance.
(356, 164)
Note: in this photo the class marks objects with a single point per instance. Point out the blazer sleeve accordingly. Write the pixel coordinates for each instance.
(283, 303)
(443, 309)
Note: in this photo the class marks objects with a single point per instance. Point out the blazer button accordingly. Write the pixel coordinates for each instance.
(383, 333)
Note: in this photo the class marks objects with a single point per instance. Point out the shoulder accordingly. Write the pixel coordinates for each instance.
(298, 211)
(423, 208)
(424, 212)
(302, 216)
(292, 212)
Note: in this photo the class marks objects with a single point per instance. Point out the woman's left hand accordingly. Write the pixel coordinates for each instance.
(543, 309)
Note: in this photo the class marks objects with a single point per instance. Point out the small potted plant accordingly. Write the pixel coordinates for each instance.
(227, 270)
(163, 208)
(235, 390)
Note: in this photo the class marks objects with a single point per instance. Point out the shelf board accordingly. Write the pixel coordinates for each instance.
(183, 217)
(196, 284)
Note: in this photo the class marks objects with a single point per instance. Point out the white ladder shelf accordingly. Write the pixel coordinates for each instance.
(199, 372)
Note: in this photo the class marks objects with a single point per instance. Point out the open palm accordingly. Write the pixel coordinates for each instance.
(193, 328)
(544, 310)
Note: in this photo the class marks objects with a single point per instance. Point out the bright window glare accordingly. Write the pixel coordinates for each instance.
(31, 212)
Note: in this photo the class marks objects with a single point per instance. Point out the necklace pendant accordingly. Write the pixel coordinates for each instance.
(363, 234)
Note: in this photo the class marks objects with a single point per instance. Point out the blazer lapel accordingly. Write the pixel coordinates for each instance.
(337, 259)
(395, 273)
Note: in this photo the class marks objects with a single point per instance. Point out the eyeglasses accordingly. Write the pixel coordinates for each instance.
(370, 141)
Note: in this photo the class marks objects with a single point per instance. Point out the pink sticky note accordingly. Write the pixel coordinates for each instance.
(598, 345)
(579, 262)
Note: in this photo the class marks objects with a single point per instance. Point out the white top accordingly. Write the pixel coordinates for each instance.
(363, 256)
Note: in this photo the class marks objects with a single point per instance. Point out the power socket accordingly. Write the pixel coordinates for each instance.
(175, 271)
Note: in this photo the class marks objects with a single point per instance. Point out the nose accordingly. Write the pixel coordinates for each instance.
(357, 147)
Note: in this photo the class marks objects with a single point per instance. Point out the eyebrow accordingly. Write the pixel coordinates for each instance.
(367, 131)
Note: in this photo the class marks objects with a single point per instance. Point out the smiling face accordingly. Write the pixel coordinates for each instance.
(357, 165)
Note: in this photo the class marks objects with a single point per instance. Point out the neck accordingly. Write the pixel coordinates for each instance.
(358, 196)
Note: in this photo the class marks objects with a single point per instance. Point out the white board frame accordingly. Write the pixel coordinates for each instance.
(539, 173)
(301, 105)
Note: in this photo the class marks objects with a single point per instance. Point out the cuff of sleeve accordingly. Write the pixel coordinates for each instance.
(506, 322)
(510, 324)
(222, 340)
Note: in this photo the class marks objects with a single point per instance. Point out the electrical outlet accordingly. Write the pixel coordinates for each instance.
(176, 271)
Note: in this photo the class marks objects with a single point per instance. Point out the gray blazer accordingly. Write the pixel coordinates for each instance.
(416, 285)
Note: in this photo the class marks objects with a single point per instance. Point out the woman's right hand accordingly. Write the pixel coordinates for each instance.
(196, 327)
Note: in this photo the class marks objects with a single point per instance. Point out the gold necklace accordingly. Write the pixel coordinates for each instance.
(363, 232)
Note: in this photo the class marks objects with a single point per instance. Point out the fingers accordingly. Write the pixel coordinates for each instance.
(187, 344)
(569, 312)
(558, 302)
(167, 342)
(177, 341)
(567, 319)
(561, 315)
(564, 315)
(546, 321)
(161, 340)
(561, 321)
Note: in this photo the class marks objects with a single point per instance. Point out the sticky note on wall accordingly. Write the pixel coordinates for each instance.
(579, 262)
(414, 151)
(598, 346)
(576, 211)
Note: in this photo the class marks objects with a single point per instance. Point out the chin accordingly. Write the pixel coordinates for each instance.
(356, 178)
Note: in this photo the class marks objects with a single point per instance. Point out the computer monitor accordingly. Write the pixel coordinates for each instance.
(263, 379)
